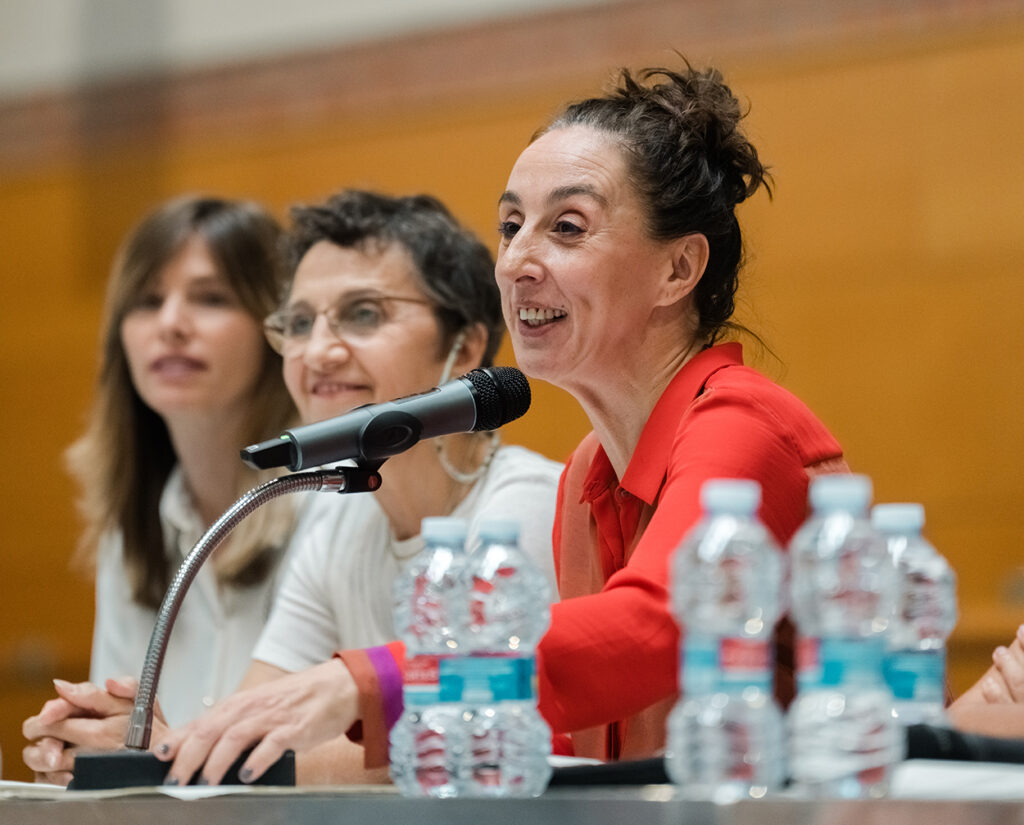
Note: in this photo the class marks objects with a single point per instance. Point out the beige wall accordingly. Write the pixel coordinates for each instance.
(885, 274)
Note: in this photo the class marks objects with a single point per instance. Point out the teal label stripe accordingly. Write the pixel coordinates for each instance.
(710, 664)
(918, 675)
(486, 679)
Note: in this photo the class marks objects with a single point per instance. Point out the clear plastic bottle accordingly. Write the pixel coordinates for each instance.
(509, 598)
(726, 736)
(428, 739)
(915, 662)
(843, 737)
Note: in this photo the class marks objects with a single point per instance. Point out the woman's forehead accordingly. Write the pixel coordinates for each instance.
(329, 269)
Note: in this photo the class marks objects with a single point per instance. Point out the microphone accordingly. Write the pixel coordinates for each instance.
(483, 399)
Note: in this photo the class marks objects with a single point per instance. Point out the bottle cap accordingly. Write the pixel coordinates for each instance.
(740, 496)
(444, 529)
(499, 531)
(841, 491)
(903, 517)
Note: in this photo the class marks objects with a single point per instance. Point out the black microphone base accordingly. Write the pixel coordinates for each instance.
(140, 768)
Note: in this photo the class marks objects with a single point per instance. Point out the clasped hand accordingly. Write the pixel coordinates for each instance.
(83, 717)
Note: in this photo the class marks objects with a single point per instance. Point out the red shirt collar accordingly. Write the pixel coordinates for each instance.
(648, 465)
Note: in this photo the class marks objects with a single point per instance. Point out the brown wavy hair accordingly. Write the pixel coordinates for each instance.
(125, 456)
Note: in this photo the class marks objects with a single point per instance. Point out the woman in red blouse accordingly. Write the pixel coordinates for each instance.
(617, 263)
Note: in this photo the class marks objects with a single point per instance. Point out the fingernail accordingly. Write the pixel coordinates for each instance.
(52, 759)
(60, 684)
(203, 781)
(171, 780)
(999, 652)
(245, 775)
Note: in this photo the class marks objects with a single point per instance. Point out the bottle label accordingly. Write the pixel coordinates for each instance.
(487, 679)
(917, 675)
(422, 681)
(725, 663)
(833, 662)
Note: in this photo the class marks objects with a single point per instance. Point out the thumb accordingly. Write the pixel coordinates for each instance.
(124, 687)
(90, 698)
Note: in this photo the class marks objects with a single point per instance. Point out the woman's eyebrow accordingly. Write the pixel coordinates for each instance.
(559, 194)
(564, 192)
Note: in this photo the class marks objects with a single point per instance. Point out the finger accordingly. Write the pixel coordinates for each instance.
(994, 689)
(124, 688)
(44, 755)
(1011, 668)
(91, 698)
(98, 734)
(56, 778)
(228, 748)
(166, 745)
(54, 710)
(192, 753)
(263, 756)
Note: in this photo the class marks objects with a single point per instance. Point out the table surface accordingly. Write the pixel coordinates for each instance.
(568, 806)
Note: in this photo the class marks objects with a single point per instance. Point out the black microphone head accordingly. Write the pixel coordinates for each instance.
(502, 395)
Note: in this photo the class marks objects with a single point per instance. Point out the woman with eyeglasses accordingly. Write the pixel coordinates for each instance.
(389, 296)
(185, 377)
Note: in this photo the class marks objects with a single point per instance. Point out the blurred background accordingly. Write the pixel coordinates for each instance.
(885, 276)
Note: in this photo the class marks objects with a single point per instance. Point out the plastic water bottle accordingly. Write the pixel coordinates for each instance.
(429, 609)
(509, 741)
(726, 735)
(915, 662)
(844, 739)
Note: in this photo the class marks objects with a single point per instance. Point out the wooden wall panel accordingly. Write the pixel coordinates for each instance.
(885, 274)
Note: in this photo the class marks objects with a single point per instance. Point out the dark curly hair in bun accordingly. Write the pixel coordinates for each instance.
(690, 164)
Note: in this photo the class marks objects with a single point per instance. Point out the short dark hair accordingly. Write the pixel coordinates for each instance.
(454, 269)
(690, 164)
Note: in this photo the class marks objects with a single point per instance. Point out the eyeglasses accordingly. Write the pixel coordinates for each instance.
(288, 330)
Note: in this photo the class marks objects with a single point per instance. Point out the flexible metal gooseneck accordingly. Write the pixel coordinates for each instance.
(336, 480)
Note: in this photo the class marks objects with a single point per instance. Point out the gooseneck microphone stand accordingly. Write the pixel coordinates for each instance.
(136, 766)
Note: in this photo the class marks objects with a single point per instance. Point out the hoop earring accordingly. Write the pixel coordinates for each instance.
(495, 438)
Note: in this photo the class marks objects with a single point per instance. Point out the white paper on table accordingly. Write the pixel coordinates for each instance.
(947, 779)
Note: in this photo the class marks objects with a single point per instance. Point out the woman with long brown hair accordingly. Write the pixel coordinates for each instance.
(186, 377)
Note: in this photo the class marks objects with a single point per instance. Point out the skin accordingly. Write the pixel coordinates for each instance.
(573, 232)
(195, 356)
(327, 377)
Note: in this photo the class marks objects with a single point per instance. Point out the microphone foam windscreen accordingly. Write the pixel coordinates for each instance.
(503, 395)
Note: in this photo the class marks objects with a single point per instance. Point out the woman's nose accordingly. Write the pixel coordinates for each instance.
(518, 259)
(324, 348)
(174, 318)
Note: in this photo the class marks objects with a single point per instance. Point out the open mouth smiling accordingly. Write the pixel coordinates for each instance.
(535, 317)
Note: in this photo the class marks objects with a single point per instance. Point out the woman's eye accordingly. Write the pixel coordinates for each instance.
(298, 325)
(567, 228)
(362, 314)
(213, 298)
(147, 300)
(508, 229)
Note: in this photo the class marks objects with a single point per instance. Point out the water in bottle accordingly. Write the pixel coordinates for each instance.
(915, 662)
(509, 741)
(844, 739)
(726, 734)
(429, 610)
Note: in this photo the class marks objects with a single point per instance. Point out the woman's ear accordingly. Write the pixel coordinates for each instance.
(471, 350)
(689, 259)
